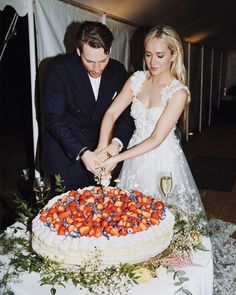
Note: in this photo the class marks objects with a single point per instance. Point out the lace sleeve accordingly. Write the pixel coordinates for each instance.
(168, 91)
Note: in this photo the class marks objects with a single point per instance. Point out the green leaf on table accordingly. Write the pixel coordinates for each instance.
(183, 279)
(180, 273)
(170, 269)
(178, 284)
(201, 247)
(187, 292)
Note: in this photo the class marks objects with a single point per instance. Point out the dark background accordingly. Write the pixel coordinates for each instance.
(16, 145)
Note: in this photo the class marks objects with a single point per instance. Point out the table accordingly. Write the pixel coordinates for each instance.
(200, 280)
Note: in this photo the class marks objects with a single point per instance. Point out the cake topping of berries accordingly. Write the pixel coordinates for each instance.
(104, 212)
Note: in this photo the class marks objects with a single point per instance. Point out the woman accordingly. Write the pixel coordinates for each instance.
(158, 97)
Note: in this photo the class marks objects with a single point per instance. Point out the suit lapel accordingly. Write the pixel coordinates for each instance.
(84, 93)
(104, 94)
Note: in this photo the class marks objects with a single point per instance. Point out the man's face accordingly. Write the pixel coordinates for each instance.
(93, 59)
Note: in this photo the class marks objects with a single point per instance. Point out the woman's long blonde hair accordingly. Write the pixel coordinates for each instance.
(174, 43)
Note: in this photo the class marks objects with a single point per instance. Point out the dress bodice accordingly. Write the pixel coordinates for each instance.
(146, 118)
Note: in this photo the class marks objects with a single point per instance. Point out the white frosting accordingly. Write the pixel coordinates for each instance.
(132, 248)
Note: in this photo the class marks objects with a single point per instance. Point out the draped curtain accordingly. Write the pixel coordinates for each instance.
(57, 24)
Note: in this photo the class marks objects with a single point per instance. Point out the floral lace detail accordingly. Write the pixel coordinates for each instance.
(169, 90)
(137, 81)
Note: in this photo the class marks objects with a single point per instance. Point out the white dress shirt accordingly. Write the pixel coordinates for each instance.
(95, 82)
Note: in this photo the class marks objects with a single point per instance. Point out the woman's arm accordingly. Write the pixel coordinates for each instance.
(119, 104)
(163, 127)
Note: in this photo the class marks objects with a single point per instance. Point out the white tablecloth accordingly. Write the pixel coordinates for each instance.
(200, 280)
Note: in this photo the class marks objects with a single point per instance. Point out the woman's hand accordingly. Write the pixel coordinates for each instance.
(109, 164)
(102, 154)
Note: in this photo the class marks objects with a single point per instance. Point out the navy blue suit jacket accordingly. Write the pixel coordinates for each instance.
(73, 116)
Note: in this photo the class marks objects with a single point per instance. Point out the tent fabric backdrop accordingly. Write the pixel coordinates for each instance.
(54, 19)
(20, 6)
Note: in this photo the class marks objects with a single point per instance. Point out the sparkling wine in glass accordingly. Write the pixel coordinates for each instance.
(166, 183)
(41, 187)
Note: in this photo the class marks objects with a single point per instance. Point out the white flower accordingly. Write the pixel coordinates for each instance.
(17, 230)
(161, 272)
(142, 275)
(105, 182)
(102, 177)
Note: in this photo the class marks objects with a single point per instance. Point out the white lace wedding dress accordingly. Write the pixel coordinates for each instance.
(143, 172)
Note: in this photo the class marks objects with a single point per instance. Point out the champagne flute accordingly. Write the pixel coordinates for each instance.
(166, 183)
(41, 188)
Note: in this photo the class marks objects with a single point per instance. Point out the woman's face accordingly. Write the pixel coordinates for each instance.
(158, 56)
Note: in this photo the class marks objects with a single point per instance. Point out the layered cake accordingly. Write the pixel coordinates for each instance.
(128, 227)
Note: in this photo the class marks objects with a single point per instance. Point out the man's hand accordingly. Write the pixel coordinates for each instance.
(91, 161)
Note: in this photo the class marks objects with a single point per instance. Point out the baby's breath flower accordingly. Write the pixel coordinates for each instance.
(102, 177)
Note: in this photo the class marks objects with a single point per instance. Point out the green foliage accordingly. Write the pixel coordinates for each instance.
(25, 213)
(60, 188)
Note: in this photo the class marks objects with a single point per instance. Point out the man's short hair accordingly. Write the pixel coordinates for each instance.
(95, 34)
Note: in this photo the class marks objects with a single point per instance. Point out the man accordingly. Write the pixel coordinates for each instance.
(78, 89)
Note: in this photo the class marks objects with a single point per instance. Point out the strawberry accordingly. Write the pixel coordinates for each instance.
(116, 218)
(142, 226)
(155, 215)
(123, 231)
(52, 210)
(77, 224)
(136, 229)
(116, 191)
(132, 208)
(92, 232)
(154, 221)
(97, 217)
(100, 206)
(110, 194)
(118, 203)
(71, 228)
(91, 199)
(86, 193)
(72, 193)
(114, 232)
(146, 214)
(84, 230)
(57, 225)
(61, 209)
(100, 200)
(64, 215)
(137, 193)
(159, 212)
(119, 210)
(81, 206)
(144, 220)
(98, 232)
(106, 200)
(43, 218)
(124, 217)
(62, 230)
(104, 223)
(69, 220)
